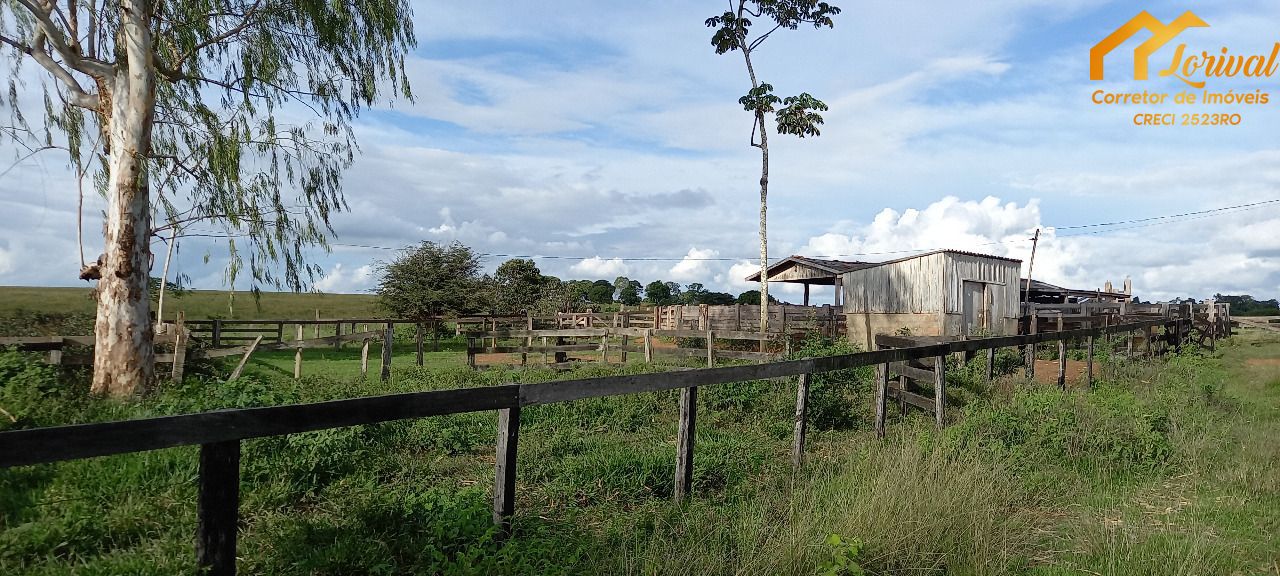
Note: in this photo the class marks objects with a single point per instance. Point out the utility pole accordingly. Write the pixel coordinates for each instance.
(1035, 240)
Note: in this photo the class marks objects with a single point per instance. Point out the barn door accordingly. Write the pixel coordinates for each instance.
(974, 300)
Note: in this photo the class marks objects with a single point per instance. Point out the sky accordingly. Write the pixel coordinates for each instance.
(605, 139)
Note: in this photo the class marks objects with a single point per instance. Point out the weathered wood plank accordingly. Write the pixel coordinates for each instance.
(801, 420)
(504, 482)
(882, 395)
(685, 441)
(939, 390)
(218, 507)
(922, 402)
(37, 445)
(243, 360)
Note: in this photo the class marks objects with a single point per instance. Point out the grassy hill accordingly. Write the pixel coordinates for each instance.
(197, 303)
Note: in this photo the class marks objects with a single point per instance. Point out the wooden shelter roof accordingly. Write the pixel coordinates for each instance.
(804, 270)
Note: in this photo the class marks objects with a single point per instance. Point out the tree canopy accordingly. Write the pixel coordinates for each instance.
(432, 280)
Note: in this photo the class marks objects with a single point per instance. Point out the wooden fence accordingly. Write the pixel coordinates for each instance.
(617, 340)
(220, 433)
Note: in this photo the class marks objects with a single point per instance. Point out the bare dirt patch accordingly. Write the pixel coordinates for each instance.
(1262, 362)
(1047, 371)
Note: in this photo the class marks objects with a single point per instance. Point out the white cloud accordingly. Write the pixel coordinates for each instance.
(339, 280)
(597, 268)
(694, 267)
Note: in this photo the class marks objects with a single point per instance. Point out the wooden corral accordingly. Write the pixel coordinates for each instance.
(783, 318)
(221, 433)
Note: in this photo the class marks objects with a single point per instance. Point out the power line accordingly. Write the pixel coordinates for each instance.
(1223, 209)
(1107, 227)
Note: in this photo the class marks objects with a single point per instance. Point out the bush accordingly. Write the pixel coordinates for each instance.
(835, 397)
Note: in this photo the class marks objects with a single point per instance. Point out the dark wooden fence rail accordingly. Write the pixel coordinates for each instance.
(219, 433)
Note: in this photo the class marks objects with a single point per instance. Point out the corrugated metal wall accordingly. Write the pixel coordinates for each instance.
(912, 286)
(1000, 275)
(931, 284)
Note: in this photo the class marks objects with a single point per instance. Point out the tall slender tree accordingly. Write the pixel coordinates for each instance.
(236, 113)
(798, 115)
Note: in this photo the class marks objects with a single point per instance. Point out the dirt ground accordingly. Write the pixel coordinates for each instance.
(1262, 362)
(1047, 371)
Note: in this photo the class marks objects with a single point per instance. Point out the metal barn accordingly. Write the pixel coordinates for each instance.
(941, 293)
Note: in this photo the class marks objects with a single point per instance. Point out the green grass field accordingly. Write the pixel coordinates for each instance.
(1166, 467)
(198, 303)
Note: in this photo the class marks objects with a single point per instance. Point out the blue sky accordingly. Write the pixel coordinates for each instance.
(601, 134)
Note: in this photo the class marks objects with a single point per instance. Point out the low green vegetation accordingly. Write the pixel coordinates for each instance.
(17, 301)
(1165, 467)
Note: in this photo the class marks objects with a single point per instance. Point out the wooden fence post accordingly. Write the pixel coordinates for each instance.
(471, 352)
(504, 482)
(217, 333)
(364, 358)
(218, 507)
(279, 332)
(388, 335)
(991, 364)
(801, 423)
(1062, 364)
(711, 349)
(179, 347)
(1031, 348)
(648, 346)
(626, 338)
(545, 357)
(1089, 364)
(417, 341)
(297, 356)
(685, 441)
(337, 335)
(939, 389)
(882, 397)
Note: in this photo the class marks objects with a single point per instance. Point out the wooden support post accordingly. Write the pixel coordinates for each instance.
(711, 349)
(180, 338)
(218, 508)
(1062, 364)
(991, 364)
(504, 482)
(471, 352)
(1177, 336)
(626, 339)
(648, 346)
(364, 358)
(685, 441)
(544, 351)
(737, 317)
(217, 334)
(315, 328)
(1031, 348)
(1089, 364)
(388, 335)
(882, 397)
(297, 356)
(1148, 334)
(801, 423)
(244, 359)
(939, 389)
(604, 348)
(1128, 345)
(528, 341)
(279, 332)
(417, 342)
(435, 334)
(337, 331)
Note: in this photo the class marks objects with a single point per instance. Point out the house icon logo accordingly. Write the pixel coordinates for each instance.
(1161, 34)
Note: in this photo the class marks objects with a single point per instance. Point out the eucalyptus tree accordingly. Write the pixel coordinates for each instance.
(234, 113)
(798, 115)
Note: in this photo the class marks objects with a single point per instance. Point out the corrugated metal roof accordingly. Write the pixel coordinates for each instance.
(949, 251)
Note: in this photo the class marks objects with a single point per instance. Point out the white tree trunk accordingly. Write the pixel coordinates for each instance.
(764, 229)
(124, 360)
